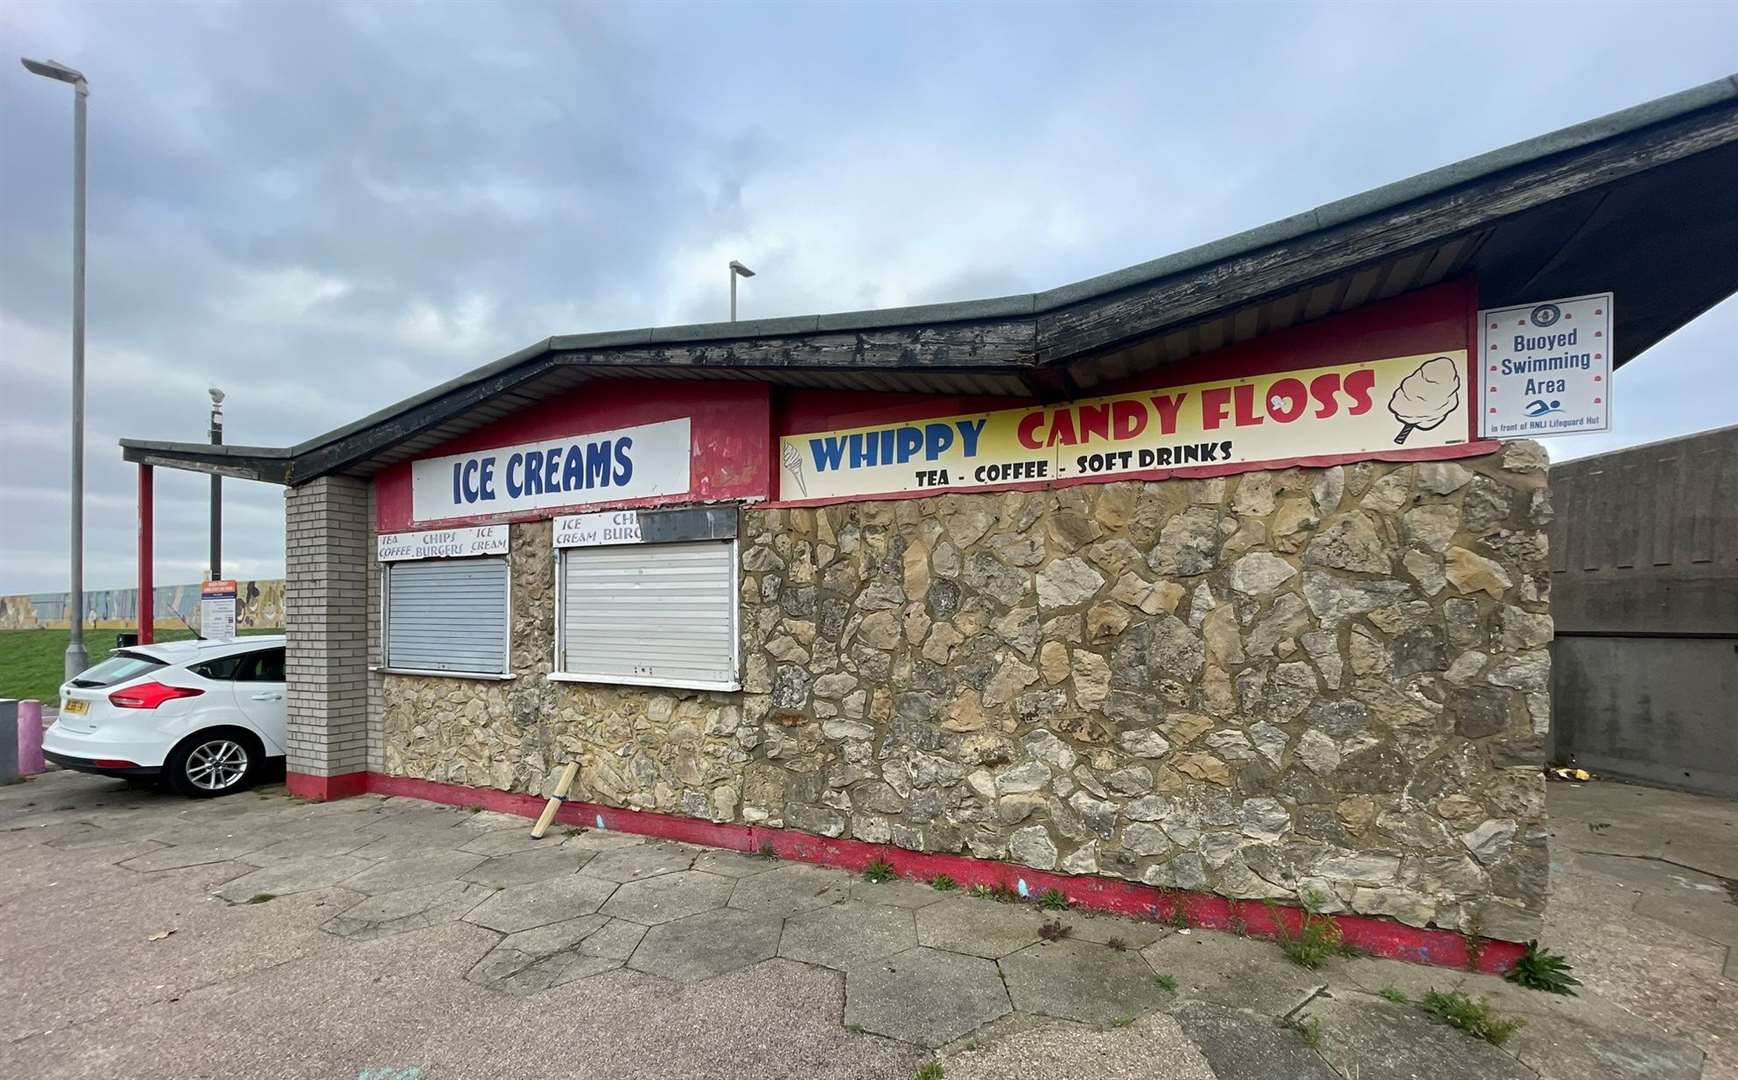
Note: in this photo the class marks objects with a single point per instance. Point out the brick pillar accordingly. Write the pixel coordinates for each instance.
(326, 555)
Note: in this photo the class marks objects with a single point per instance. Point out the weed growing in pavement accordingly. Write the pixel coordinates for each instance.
(1473, 1017)
(1475, 942)
(766, 851)
(942, 883)
(879, 871)
(930, 1070)
(1053, 900)
(1542, 969)
(983, 892)
(1316, 939)
(573, 830)
(1003, 893)
(1394, 994)
(1054, 930)
(1167, 983)
(260, 897)
(855, 1029)
(1116, 944)
(1310, 1031)
(1122, 1021)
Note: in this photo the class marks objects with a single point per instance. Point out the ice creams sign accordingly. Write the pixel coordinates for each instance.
(1546, 368)
(1404, 402)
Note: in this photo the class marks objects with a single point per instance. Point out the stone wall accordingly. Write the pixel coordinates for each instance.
(1330, 681)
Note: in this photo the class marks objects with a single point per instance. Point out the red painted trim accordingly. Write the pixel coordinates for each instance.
(326, 788)
(1199, 472)
(1374, 935)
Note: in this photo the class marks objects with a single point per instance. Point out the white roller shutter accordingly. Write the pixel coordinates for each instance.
(651, 614)
(447, 615)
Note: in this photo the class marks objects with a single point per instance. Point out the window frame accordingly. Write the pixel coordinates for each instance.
(731, 685)
(386, 666)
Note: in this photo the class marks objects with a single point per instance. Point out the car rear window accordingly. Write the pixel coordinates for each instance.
(120, 667)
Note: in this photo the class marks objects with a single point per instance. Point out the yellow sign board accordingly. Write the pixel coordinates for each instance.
(1404, 402)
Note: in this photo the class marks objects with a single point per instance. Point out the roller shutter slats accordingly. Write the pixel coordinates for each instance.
(447, 615)
(650, 612)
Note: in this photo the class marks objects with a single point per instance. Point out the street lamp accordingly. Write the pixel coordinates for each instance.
(216, 486)
(48, 69)
(736, 270)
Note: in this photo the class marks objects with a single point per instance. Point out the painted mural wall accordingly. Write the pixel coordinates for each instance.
(258, 605)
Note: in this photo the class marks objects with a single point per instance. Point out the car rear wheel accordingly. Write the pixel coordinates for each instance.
(221, 761)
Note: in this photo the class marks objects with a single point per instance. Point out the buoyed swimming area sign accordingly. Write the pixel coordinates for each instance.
(1547, 368)
(1401, 402)
(602, 466)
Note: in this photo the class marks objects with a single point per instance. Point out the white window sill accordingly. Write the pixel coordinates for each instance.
(630, 680)
(482, 676)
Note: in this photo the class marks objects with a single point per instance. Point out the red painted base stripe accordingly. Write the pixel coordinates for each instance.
(1373, 935)
(326, 788)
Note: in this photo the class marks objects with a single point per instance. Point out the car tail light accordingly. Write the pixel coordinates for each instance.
(150, 695)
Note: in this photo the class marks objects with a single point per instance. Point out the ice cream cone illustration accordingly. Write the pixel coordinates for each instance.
(1426, 397)
(794, 466)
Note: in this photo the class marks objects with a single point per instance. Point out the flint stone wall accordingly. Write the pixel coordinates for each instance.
(1330, 681)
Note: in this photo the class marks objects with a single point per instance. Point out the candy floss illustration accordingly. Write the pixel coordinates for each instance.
(1426, 397)
(794, 462)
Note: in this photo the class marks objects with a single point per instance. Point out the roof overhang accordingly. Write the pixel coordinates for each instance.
(1640, 203)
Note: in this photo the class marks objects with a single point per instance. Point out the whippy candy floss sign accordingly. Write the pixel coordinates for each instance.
(1405, 402)
(1547, 368)
(603, 466)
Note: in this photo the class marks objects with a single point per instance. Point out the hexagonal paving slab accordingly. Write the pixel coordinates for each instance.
(407, 909)
(905, 894)
(737, 864)
(505, 871)
(409, 873)
(641, 861)
(978, 927)
(509, 842)
(844, 935)
(668, 897)
(1081, 980)
(706, 945)
(601, 840)
(292, 876)
(925, 996)
(1242, 973)
(1132, 933)
(791, 888)
(525, 906)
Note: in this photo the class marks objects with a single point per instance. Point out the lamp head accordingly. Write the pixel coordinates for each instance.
(739, 269)
(51, 69)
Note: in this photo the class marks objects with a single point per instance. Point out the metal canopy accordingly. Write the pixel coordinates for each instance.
(1643, 202)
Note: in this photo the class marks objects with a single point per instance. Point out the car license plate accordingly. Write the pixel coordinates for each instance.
(75, 707)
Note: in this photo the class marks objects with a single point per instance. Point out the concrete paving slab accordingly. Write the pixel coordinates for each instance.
(1131, 933)
(1363, 1036)
(668, 897)
(1056, 1050)
(407, 910)
(504, 871)
(1238, 972)
(510, 842)
(1653, 875)
(394, 875)
(411, 843)
(602, 840)
(1246, 1045)
(553, 937)
(616, 939)
(557, 970)
(291, 876)
(639, 861)
(707, 945)
(540, 903)
(1081, 980)
(978, 927)
(177, 856)
(487, 821)
(322, 843)
(1562, 1049)
(736, 864)
(791, 888)
(1712, 917)
(848, 934)
(925, 996)
(905, 894)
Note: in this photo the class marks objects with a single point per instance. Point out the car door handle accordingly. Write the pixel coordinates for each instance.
(267, 697)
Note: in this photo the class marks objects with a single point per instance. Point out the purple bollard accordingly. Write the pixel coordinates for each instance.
(30, 760)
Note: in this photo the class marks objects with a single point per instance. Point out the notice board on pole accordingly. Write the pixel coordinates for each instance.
(217, 611)
(1546, 368)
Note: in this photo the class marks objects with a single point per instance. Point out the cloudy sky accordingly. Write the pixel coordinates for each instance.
(325, 208)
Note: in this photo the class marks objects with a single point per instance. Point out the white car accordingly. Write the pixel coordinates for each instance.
(206, 716)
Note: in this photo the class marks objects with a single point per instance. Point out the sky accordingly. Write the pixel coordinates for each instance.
(326, 208)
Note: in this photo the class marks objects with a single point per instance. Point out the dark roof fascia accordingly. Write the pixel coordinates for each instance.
(269, 464)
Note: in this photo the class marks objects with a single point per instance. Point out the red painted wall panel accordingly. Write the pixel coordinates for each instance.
(730, 431)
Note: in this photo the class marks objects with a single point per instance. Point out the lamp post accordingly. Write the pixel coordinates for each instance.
(48, 69)
(216, 487)
(736, 270)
